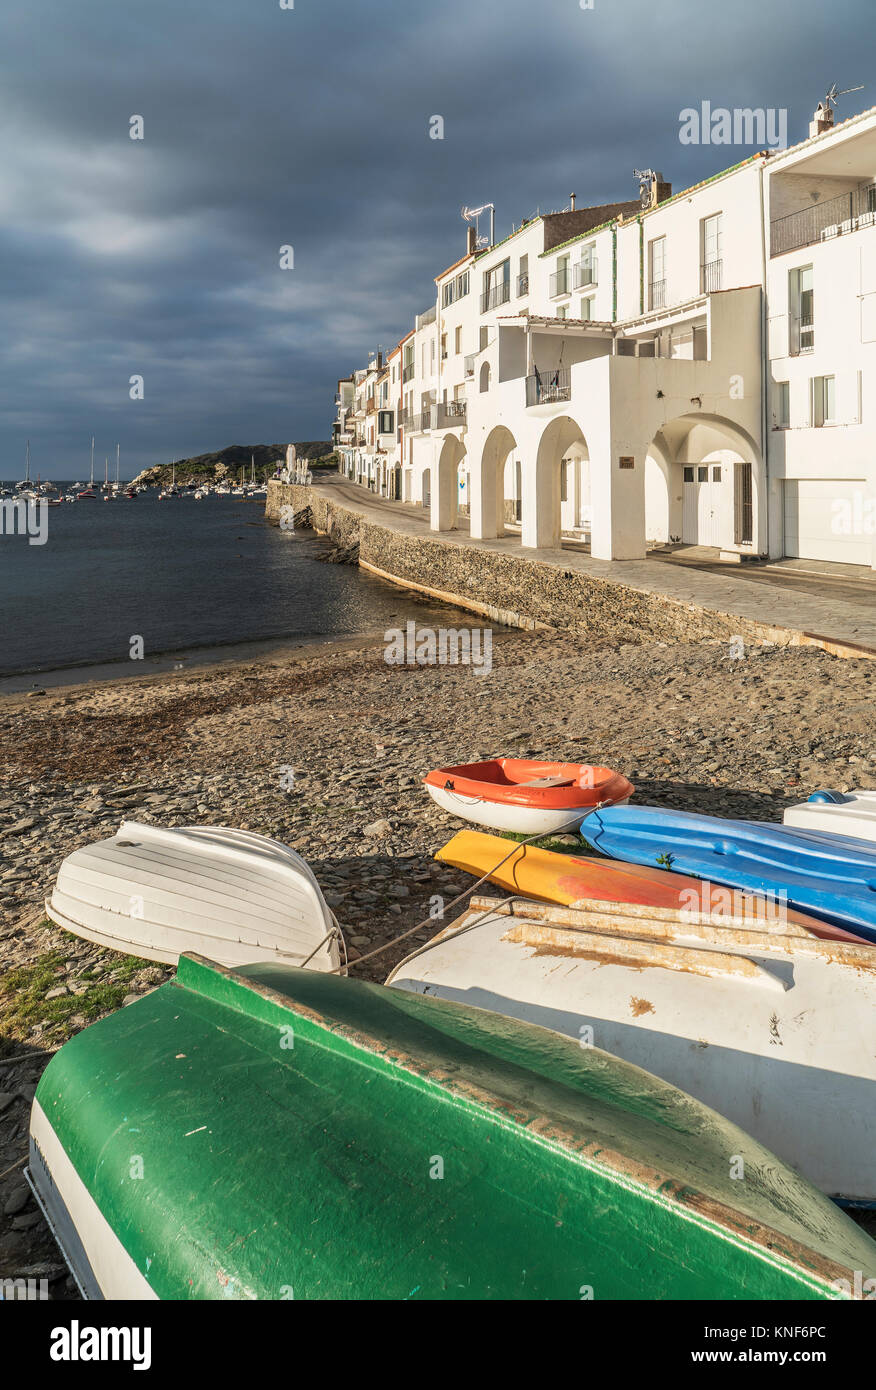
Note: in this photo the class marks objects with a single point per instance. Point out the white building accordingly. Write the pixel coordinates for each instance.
(687, 368)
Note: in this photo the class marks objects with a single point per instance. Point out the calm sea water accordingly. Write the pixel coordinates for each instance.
(188, 577)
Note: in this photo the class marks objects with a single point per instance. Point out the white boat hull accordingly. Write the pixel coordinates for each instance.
(230, 895)
(496, 815)
(775, 1032)
(855, 815)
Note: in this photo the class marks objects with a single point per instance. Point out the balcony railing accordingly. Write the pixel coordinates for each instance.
(847, 213)
(657, 294)
(408, 372)
(449, 415)
(498, 294)
(370, 405)
(585, 274)
(559, 283)
(522, 284)
(422, 422)
(543, 388)
(711, 277)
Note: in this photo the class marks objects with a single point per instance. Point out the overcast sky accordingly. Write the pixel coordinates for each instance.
(309, 127)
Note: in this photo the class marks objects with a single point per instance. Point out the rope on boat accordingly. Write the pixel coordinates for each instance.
(519, 844)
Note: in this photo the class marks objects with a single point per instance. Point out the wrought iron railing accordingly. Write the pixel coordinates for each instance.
(498, 294)
(522, 284)
(847, 213)
(711, 277)
(559, 283)
(657, 294)
(543, 388)
(449, 415)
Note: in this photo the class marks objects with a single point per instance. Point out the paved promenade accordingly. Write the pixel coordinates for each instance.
(836, 609)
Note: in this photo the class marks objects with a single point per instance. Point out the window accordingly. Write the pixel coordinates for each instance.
(484, 337)
(560, 278)
(823, 400)
(443, 347)
(497, 286)
(689, 475)
(782, 404)
(446, 294)
(702, 475)
(716, 475)
(458, 340)
(386, 422)
(657, 273)
(523, 276)
(462, 284)
(712, 237)
(801, 305)
(585, 270)
(485, 377)
(587, 307)
(563, 311)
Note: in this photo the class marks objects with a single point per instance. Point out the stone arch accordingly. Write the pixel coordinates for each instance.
(562, 439)
(487, 500)
(444, 494)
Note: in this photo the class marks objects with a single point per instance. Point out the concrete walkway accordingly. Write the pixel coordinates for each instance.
(836, 610)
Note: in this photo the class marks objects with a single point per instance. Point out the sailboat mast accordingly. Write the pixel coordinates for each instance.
(27, 463)
(91, 483)
(118, 450)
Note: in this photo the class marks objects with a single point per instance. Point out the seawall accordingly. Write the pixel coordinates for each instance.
(520, 590)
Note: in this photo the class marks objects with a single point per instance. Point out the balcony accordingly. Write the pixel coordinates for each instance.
(834, 217)
(469, 364)
(522, 285)
(711, 277)
(449, 415)
(408, 372)
(370, 405)
(422, 423)
(549, 387)
(498, 294)
(657, 294)
(560, 283)
(585, 274)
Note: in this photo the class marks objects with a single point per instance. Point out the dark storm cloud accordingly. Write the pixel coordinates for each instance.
(309, 127)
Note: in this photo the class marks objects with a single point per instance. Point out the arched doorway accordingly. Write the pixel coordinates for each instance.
(487, 485)
(558, 488)
(704, 486)
(444, 497)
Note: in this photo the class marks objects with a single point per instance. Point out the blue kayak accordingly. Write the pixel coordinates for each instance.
(831, 876)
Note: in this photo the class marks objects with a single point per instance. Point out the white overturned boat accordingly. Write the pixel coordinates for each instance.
(837, 813)
(775, 1031)
(230, 895)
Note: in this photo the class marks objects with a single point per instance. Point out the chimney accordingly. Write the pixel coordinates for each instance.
(660, 190)
(822, 120)
(572, 201)
(471, 241)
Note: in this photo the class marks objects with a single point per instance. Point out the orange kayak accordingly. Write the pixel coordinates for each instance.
(570, 879)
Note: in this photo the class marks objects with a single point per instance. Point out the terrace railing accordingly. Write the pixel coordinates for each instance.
(544, 388)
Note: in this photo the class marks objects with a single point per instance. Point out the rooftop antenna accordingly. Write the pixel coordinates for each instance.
(823, 118)
(472, 215)
(646, 179)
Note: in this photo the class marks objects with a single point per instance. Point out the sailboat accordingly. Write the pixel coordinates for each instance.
(88, 494)
(24, 485)
(173, 490)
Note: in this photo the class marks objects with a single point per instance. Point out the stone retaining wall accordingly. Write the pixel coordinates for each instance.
(516, 589)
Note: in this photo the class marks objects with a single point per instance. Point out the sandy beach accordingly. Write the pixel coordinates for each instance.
(325, 748)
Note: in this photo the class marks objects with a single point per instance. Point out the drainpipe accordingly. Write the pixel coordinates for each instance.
(641, 266)
(764, 367)
(614, 272)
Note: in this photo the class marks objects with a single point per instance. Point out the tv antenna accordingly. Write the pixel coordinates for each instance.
(833, 95)
(646, 179)
(472, 215)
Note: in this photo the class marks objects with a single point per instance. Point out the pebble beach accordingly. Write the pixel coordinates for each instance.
(325, 749)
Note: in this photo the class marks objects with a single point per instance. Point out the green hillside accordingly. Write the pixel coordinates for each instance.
(234, 462)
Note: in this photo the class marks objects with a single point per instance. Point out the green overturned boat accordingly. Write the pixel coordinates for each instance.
(271, 1133)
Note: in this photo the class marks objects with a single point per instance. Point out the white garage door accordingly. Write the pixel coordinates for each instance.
(827, 519)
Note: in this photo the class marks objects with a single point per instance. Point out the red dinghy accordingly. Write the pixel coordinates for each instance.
(530, 798)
